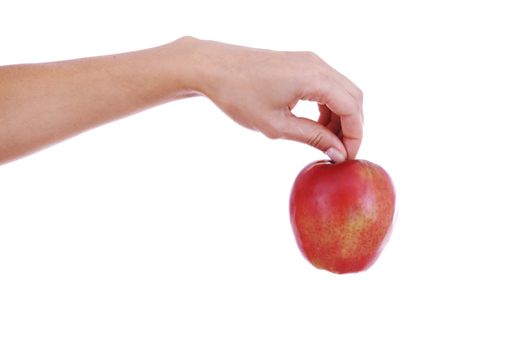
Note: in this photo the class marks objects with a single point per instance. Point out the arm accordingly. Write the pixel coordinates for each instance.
(41, 104)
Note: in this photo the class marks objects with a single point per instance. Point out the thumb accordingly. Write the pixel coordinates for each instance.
(316, 135)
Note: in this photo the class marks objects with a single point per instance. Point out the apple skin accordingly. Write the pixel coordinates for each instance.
(342, 213)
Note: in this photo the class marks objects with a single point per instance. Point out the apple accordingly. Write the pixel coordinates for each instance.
(342, 213)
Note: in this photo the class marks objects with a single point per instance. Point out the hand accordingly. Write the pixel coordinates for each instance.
(45, 103)
(259, 88)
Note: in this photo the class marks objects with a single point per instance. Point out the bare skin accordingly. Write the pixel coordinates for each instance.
(41, 104)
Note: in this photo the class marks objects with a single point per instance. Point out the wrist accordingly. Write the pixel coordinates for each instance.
(189, 65)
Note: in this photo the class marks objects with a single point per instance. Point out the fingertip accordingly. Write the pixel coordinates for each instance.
(352, 147)
(336, 155)
(316, 135)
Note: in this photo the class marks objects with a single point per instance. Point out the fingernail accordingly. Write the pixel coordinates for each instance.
(335, 155)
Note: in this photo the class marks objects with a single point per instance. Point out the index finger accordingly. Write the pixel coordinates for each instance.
(349, 110)
(335, 95)
(352, 130)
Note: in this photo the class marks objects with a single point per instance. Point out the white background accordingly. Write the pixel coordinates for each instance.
(170, 229)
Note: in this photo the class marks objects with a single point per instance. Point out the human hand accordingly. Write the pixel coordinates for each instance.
(259, 88)
(45, 103)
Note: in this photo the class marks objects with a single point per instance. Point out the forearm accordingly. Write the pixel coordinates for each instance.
(44, 103)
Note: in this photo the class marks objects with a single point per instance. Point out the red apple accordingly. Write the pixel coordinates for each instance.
(342, 213)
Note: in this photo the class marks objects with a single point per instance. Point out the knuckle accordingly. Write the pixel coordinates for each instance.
(316, 139)
(353, 109)
(310, 55)
(359, 95)
(319, 79)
